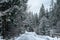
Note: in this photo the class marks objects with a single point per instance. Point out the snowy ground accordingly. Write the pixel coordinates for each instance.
(34, 36)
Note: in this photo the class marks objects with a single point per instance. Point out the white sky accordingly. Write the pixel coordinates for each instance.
(34, 5)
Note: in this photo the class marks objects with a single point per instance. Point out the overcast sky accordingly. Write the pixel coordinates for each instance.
(34, 5)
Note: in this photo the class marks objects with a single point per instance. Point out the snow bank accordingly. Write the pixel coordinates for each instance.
(33, 36)
(29, 36)
(1, 38)
(58, 38)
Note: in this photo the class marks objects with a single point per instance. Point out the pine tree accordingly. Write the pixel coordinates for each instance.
(36, 20)
(58, 17)
(21, 16)
(47, 14)
(29, 22)
(42, 12)
(55, 17)
(11, 9)
(58, 10)
(43, 21)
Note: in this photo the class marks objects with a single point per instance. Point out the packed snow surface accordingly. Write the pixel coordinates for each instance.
(34, 36)
(29, 36)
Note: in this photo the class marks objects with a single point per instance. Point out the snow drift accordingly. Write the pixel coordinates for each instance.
(33, 36)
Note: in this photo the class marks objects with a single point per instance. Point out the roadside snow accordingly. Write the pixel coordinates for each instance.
(33, 36)
(29, 36)
(1, 38)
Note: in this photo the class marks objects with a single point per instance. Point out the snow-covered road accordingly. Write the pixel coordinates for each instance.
(34, 36)
(29, 36)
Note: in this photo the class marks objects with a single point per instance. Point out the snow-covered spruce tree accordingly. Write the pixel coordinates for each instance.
(57, 14)
(29, 22)
(47, 14)
(52, 14)
(21, 16)
(42, 11)
(13, 11)
(55, 17)
(43, 21)
(41, 14)
(36, 22)
(58, 10)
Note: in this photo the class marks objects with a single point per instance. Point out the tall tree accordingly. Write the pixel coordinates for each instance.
(13, 11)
(58, 10)
(42, 12)
(29, 22)
(47, 14)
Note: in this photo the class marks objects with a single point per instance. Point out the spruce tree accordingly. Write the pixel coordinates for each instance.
(58, 10)
(13, 11)
(42, 12)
